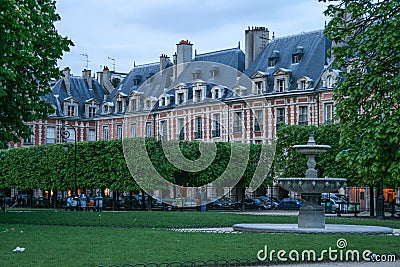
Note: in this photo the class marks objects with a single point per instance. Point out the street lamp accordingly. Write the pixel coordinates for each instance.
(65, 135)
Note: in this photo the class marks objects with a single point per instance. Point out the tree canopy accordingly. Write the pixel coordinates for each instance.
(30, 47)
(367, 52)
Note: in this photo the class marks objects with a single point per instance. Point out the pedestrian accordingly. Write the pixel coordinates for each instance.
(69, 203)
(82, 199)
(99, 202)
(74, 203)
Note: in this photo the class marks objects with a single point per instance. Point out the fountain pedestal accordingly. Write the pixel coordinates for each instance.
(311, 215)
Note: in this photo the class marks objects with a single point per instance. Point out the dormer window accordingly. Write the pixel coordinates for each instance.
(120, 106)
(149, 102)
(120, 102)
(329, 81)
(282, 78)
(216, 92)
(196, 74)
(281, 86)
(213, 72)
(199, 91)
(91, 107)
(296, 58)
(197, 96)
(163, 101)
(304, 83)
(180, 98)
(71, 107)
(329, 78)
(238, 90)
(137, 79)
(134, 100)
(260, 82)
(273, 60)
(181, 94)
(106, 109)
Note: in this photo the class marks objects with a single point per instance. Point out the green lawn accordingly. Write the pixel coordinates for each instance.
(109, 238)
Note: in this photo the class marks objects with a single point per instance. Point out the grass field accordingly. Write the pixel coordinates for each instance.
(117, 238)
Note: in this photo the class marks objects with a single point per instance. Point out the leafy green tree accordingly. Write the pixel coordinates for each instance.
(29, 49)
(367, 50)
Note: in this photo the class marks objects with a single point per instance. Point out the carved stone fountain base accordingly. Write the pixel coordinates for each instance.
(311, 215)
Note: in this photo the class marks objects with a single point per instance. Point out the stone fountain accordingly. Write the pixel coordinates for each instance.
(311, 217)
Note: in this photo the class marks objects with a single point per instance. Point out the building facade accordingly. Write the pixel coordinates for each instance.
(223, 95)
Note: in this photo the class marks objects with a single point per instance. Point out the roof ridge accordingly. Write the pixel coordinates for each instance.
(218, 51)
(298, 34)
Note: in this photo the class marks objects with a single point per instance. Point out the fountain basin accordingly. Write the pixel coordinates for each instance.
(312, 185)
(311, 149)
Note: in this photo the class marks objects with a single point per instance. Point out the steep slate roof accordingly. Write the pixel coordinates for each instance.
(315, 46)
(79, 90)
(233, 57)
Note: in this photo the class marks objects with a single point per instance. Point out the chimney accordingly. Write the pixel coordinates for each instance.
(86, 74)
(106, 80)
(67, 74)
(256, 39)
(164, 59)
(183, 54)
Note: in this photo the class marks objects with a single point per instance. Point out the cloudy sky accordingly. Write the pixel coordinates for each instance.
(128, 31)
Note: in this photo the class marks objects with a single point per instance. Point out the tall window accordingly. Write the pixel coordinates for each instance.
(328, 110)
(105, 132)
(280, 116)
(181, 129)
(258, 120)
(303, 115)
(119, 106)
(91, 135)
(216, 130)
(181, 98)
(92, 112)
(71, 110)
(197, 96)
(50, 135)
(281, 85)
(237, 122)
(198, 130)
(259, 87)
(119, 131)
(272, 62)
(133, 130)
(148, 129)
(164, 129)
(133, 104)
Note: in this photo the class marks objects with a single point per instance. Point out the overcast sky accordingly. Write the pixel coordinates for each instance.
(140, 31)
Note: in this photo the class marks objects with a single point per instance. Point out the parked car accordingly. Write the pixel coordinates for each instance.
(159, 205)
(269, 201)
(220, 203)
(332, 205)
(252, 203)
(290, 204)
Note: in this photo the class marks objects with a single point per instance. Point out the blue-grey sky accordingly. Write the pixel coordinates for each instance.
(140, 31)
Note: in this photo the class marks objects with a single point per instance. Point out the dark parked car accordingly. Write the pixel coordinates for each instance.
(252, 203)
(290, 204)
(157, 204)
(220, 203)
(269, 201)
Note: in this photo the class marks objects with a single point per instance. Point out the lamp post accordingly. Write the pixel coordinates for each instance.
(380, 209)
(65, 135)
